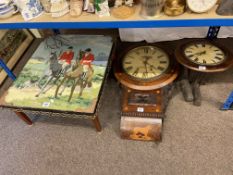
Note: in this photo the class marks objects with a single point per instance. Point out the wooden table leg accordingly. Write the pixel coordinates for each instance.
(24, 117)
(97, 124)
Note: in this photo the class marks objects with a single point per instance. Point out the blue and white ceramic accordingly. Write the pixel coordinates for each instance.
(29, 9)
(7, 9)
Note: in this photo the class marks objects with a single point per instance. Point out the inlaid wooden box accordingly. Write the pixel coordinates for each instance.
(141, 128)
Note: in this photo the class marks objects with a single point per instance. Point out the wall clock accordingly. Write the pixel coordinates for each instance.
(201, 6)
(144, 71)
(145, 68)
(204, 56)
(200, 57)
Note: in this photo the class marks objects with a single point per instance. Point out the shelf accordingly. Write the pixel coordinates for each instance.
(93, 21)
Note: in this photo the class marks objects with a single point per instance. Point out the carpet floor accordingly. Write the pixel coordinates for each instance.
(196, 140)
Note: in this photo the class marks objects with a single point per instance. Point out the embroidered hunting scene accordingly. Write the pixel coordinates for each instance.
(66, 72)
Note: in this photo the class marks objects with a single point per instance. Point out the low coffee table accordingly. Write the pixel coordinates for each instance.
(64, 77)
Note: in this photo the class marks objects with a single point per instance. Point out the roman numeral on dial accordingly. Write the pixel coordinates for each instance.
(160, 68)
(144, 75)
(153, 72)
(135, 72)
(154, 51)
(163, 62)
(219, 54)
(190, 56)
(213, 61)
(129, 68)
(160, 56)
(128, 62)
(218, 58)
(146, 50)
(196, 59)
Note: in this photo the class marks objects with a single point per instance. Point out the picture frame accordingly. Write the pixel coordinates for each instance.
(13, 44)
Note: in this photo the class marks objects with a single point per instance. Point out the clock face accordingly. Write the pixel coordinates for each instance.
(205, 54)
(145, 62)
(200, 6)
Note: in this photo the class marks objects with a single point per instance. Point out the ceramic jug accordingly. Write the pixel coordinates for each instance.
(29, 9)
(7, 9)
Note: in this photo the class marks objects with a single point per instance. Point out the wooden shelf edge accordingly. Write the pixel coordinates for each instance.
(86, 20)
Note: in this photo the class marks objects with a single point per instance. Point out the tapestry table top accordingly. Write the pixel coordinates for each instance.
(65, 73)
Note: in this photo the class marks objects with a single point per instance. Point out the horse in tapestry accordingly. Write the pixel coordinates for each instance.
(81, 76)
(55, 69)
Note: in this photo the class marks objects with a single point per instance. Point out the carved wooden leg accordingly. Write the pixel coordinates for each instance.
(24, 117)
(97, 124)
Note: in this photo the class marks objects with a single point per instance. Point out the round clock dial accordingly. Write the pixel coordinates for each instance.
(204, 54)
(145, 62)
(145, 67)
(201, 6)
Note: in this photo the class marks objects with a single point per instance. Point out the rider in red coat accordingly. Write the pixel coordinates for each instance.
(67, 56)
(87, 59)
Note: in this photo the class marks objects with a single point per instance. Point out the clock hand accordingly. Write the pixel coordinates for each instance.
(204, 52)
(152, 66)
(198, 54)
(151, 69)
(136, 72)
(146, 57)
(201, 53)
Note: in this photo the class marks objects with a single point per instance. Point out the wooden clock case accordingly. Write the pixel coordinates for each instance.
(143, 102)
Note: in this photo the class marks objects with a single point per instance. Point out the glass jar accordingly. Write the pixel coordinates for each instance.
(151, 8)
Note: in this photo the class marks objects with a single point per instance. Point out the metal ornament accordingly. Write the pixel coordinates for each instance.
(174, 7)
